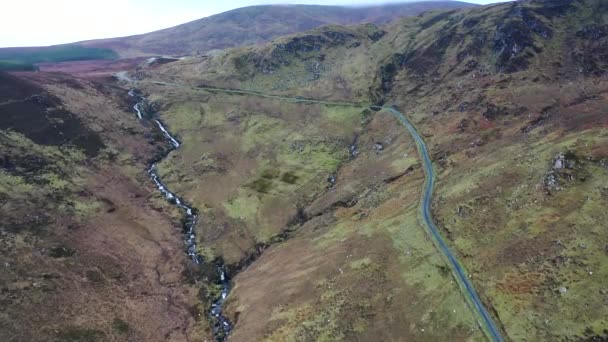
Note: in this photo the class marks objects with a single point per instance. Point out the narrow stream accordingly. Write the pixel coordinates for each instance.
(221, 324)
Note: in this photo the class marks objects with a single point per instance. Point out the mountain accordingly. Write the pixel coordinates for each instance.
(304, 197)
(243, 26)
(258, 24)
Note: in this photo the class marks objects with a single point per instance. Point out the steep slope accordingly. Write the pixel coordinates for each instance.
(89, 251)
(511, 100)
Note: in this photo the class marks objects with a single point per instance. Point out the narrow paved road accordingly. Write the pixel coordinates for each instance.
(487, 323)
(427, 196)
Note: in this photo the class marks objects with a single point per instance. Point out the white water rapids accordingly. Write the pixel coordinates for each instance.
(221, 325)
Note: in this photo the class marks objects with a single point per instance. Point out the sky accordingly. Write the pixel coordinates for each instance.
(47, 22)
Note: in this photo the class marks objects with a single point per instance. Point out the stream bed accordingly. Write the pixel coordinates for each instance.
(221, 324)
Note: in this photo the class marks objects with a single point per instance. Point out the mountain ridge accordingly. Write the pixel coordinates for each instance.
(245, 26)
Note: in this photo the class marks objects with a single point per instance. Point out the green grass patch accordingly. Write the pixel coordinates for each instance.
(120, 326)
(289, 177)
(244, 205)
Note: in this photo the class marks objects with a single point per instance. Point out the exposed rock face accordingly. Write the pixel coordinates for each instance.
(376, 35)
(386, 75)
(514, 39)
(553, 8)
(591, 55)
(518, 36)
(593, 32)
(493, 111)
(419, 63)
(563, 169)
(302, 47)
(474, 48)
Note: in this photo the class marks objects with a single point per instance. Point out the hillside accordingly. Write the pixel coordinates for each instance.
(301, 193)
(258, 24)
(88, 253)
(505, 96)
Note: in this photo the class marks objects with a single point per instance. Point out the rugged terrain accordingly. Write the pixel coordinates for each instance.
(89, 251)
(511, 99)
(314, 206)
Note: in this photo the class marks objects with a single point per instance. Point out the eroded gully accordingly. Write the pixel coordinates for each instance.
(221, 324)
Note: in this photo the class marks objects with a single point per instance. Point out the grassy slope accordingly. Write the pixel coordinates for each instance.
(365, 271)
(514, 233)
(498, 91)
(517, 236)
(239, 171)
(331, 62)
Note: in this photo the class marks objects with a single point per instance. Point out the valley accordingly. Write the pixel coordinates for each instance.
(441, 176)
(484, 318)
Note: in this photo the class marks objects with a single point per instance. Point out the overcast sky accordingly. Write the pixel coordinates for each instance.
(47, 22)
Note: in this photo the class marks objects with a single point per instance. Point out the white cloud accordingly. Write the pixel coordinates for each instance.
(42, 22)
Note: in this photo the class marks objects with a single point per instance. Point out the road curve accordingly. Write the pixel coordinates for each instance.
(463, 280)
(487, 323)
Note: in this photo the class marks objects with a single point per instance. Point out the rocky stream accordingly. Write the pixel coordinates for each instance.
(220, 323)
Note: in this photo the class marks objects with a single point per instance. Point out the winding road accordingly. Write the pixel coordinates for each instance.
(458, 271)
(427, 196)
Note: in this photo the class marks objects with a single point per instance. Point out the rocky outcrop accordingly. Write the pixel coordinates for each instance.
(592, 32)
(514, 39)
(306, 47)
(493, 111)
(383, 82)
(591, 56)
(564, 169)
(553, 8)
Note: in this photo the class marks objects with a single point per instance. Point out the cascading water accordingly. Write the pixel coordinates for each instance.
(168, 135)
(221, 324)
(136, 106)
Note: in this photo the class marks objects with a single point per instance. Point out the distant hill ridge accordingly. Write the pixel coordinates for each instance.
(238, 27)
(258, 24)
